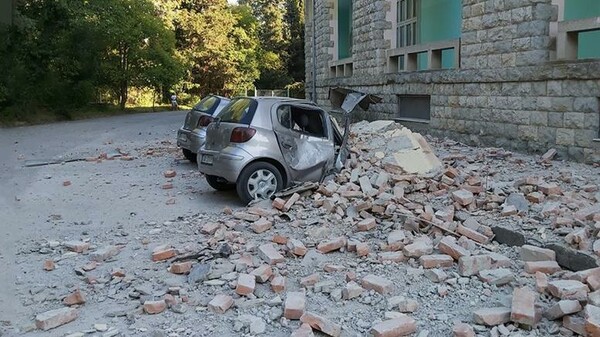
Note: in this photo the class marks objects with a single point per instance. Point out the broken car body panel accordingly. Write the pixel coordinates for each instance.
(295, 137)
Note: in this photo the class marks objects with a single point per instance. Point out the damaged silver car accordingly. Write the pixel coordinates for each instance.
(191, 135)
(260, 145)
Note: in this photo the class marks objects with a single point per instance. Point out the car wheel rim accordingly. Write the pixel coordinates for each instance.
(262, 184)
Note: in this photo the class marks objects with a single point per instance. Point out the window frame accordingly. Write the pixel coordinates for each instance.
(290, 108)
(406, 16)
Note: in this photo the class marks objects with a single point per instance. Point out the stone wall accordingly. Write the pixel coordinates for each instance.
(507, 93)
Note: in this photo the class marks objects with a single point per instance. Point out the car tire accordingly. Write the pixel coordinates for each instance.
(189, 155)
(256, 175)
(219, 183)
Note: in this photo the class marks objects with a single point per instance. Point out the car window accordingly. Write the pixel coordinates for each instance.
(301, 119)
(208, 104)
(240, 110)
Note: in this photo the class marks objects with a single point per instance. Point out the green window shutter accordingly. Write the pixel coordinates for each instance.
(344, 28)
(589, 42)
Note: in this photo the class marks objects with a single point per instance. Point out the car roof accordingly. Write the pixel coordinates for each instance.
(278, 99)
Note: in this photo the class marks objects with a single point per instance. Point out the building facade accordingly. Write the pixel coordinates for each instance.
(518, 74)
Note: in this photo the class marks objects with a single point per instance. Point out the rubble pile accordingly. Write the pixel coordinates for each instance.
(479, 243)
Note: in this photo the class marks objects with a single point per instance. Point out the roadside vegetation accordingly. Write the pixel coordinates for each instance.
(71, 59)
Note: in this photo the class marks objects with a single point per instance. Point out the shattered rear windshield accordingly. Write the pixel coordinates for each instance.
(208, 104)
(240, 111)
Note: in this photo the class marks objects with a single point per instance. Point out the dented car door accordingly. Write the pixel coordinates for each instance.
(305, 138)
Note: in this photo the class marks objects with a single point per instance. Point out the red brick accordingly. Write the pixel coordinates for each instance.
(533, 253)
(575, 324)
(322, 324)
(350, 276)
(155, 307)
(362, 249)
(401, 326)
(549, 189)
(547, 157)
(210, 228)
(290, 202)
(170, 174)
(66, 183)
(491, 316)
(261, 226)
(170, 300)
(366, 225)
(74, 298)
(472, 234)
(536, 197)
(436, 261)
(472, 265)
(55, 318)
(278, 203)
(117, 272)
(392, 256)
(303, 331)
(263, 273)
(421, 246)
(594, 282)
(523, 307)
(568, 290)
(269, 254)
(163, 253)
(77, 246)
(220, 304)
(49, 265)
(449, 246)
(352, 290)
(245, 284)
(451, 172)
(294, 306)
(280, 239)
(333, 268)
(592, 320)
(278, 284)
(377, 283)
(297, 247)
(541, 282)
(588, 213)
(546, 267)
(246, 216)
(181, 268)
(463, 330)
(309, 280)
(463, 197)
(562, 308)
(509, 210)
(331, 245)
(167, 186)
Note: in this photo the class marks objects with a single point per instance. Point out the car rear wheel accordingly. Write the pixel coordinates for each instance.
(219, 183)
(258, 180)
(189, 155)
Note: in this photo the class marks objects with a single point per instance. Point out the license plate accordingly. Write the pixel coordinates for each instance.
(207, 159)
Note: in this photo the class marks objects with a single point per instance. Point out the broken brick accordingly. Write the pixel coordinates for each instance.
(210, 228)
(523, 307)
(163, 253)
(472, 234)
(278, 284)
(77, 246)
(261, 226)
(322, 324)
(491, 316)
(181, 268)
(546, 267)
(463, 197)
(568, 290)
(297, 247)
(421, 246)
(366, 225)
(449, 246)
(155, 307)
(74, 298)
(533, 253)
(463, 330)
(362, 249)
(170, 174)
(245, 284)
(278, 203)
(295, 303)
(269, 254)
(220, 304)
(263, 273)
(290, 202)
(331, 245)
(592, 320)
(400, 326)
(436, 261)
(49, 265)
(472, 265)
(55, 318)
(309, 280)
(303, 331)
(352, 290)
(377, 283)
(562, 308)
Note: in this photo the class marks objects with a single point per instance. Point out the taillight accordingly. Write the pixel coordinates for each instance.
(205, 120)
(242, 135)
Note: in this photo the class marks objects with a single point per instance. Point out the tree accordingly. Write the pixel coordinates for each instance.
(294, 18)
(138, 50)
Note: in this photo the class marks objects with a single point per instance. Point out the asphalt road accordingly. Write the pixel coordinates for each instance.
(109, 195)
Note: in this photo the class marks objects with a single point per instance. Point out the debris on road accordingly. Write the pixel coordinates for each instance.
(468, 242)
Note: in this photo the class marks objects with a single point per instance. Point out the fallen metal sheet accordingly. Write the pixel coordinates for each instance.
(46, 162)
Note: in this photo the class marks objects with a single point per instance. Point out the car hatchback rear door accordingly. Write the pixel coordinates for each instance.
(305, 139)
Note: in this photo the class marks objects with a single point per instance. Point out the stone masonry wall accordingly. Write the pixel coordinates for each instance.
(507, 93)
